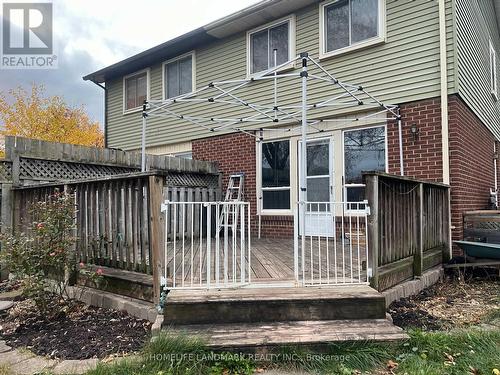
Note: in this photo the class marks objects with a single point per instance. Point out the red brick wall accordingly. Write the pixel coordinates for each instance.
(471, 159)
(237, 153)
(471, 162)
(422, 155)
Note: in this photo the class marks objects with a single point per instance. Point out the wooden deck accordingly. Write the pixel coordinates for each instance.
(272, 260)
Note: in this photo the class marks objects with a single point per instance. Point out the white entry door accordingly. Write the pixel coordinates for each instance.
(319, 174)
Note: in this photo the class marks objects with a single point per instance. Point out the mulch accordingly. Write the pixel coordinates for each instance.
(76, 331)
(451, 303)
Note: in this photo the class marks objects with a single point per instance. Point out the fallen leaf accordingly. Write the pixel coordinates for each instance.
(391, 365)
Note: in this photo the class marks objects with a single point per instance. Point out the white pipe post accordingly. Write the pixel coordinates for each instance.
(495, 165)
(303, 150)
(303, 153)
(275, 109)
(143, 148)
(400, 132)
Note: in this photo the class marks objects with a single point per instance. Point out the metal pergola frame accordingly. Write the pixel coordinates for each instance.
(225, 93)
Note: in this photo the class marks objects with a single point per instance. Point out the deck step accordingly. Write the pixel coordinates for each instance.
(273, 304)
(258, 336)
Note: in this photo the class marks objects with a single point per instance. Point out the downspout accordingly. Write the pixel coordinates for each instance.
(444, 92)
(444, 113)
(105, 113)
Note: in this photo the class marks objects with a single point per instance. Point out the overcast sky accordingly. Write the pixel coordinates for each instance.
(91, 34)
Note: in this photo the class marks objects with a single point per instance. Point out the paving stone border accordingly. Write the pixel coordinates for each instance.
(413, 287)
(22, 362)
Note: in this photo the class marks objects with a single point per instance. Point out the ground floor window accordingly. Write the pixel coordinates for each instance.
(364, 150)
(275, 174)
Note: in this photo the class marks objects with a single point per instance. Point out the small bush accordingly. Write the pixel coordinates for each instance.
(44, 250)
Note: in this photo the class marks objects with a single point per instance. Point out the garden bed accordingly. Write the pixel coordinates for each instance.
(452, 303)
(75, 331)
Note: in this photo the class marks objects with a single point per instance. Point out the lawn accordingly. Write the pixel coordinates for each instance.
(466, 351)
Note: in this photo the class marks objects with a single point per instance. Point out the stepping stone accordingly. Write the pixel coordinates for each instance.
(13, 357)
(4, 347)
(75, 366)
(5, 305)
(32, 366)
(12, 295)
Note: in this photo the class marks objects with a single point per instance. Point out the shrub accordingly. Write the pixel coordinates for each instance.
(44, 250)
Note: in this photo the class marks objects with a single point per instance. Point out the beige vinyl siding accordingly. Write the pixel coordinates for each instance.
(404, 68)
(476, 24)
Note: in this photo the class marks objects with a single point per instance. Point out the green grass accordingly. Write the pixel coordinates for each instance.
(456, 352)
(426, 353)
(177, 355)
(5, 370)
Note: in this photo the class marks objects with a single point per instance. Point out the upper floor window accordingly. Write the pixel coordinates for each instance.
(493, 71)
(178, 76)
(349, 24)
(135, 88)
(263, 42)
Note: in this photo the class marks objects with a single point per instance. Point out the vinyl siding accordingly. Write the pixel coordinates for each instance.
(405, 68)
(476, 24)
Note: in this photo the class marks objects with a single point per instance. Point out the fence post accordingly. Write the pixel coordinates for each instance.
(373, 229)
(16, 169)
(155, 195)
(447, 249)
(70, 274)
(418, 257)
(6, 219)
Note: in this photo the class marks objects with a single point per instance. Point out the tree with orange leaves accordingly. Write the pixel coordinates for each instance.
(35, 115)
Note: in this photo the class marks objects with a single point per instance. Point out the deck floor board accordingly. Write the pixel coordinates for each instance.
(272, 259)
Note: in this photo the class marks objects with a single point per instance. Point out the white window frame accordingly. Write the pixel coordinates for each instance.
(493, 71)
(260, 196)
(291, 42)
(344, 185)
(124, 92)
(380, 38)
(193, 74)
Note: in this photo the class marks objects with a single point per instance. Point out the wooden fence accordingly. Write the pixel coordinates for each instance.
(408, 227)
(483, 226)
(118, 220)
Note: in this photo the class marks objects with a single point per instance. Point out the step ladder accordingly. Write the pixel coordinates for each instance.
(229, 214)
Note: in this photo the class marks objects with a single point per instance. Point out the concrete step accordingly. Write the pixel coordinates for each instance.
(273, 304)
(264, 336)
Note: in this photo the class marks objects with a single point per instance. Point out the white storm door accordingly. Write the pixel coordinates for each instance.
(319, 175)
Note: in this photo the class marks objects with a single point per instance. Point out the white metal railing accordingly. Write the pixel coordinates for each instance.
(331, 243)
(206, 244)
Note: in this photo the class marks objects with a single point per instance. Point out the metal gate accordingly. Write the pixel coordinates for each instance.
(340, 258)
(207, 244)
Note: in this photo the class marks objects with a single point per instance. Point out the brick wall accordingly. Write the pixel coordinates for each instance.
(471, 153)
(471, 159)
(237, 153)
(471, 162)
(422, 155)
